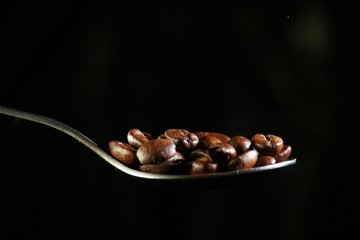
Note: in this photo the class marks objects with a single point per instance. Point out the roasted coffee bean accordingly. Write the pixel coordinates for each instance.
(243, 161)
(201, 162)
(201, 134)
(240, 143)
(182, 138)
(201, 167)
(136, 137)
(162, 136)
(172, 165)
(165, 167)
(179, 151)
(178, 157)
(223, 151)
(207, 141)
(220, 136)
(123, 152)
(269, 145)
(265, 160)
(156, 151)
(284, 154)
(201, 154)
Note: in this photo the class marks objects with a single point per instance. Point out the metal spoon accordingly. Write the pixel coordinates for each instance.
(135, 173)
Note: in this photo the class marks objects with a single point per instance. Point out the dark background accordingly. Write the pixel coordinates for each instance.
(282, 68)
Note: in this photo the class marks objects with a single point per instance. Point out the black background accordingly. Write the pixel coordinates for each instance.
(282, 68)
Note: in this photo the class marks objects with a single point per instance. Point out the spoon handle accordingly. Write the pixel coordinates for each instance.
(48, 122)
(63, 128)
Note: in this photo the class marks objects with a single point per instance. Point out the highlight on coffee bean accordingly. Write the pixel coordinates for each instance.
(178, 151)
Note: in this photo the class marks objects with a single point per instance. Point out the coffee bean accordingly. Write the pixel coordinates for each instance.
(165, 167)
(201, 153)
(156, 151)
(240, 143)
(201, 134)
(223, 151)
(264, 161)
(123, 152)
(179, 151)
(201, 166)
(283, 154)
(207, 141)
(182, 138)
(243, 161)
(269, 145)
(136, 137)
(178, 157)
(162, 136)
(220, 136)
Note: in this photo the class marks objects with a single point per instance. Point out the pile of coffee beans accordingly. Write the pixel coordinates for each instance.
(178, 151)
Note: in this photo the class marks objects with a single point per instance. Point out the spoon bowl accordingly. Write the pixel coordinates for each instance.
(204, 178)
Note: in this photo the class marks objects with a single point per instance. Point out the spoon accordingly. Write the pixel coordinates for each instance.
(135, 173)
